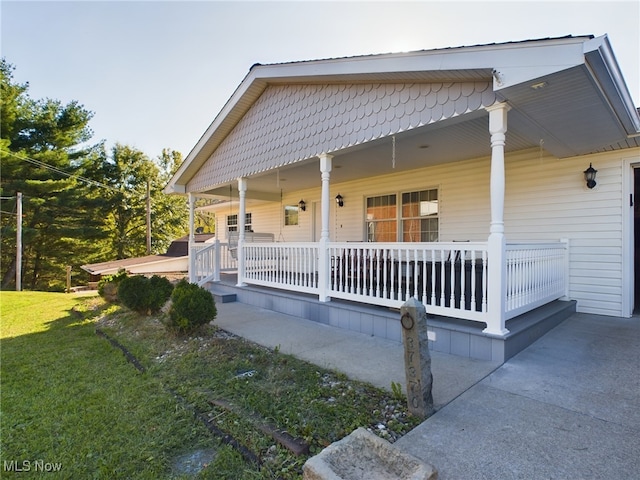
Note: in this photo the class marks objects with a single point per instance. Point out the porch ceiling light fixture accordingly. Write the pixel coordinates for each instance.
(339, 200)
(590, 176)
(302, 205)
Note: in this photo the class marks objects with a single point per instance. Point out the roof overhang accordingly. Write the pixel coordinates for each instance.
(568, 91)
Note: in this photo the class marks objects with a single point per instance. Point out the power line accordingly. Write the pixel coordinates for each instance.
(57, 170)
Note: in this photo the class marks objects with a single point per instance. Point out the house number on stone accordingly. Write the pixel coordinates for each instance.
(417, 360)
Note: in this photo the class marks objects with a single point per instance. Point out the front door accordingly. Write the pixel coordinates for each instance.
(636, 235)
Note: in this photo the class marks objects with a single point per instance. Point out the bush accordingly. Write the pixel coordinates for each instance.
(108, 286)
(191, 307)
(144, 295)
(161, 289)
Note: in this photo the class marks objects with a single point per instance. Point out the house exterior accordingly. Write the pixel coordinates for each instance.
(456, 176)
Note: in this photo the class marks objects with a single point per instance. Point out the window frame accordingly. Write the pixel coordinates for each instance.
(371, 222)
(399, 218)
(287, 215)
(413, 219)
(234, 227)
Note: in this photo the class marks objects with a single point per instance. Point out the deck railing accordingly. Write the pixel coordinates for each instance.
(288, 266)
(536, 274)
(450, 278)
(206, 262)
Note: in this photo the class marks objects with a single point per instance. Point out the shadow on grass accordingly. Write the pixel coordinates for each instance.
(69, 398)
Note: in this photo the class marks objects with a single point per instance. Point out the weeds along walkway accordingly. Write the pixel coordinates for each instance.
(296, 445)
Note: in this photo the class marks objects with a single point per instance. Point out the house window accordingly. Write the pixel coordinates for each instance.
(291, 215)
(232, 223)
(382, 219)
(417, 217)
(420, 216)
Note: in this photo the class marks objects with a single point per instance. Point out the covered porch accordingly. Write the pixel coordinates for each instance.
(303, 151)
(487, 282)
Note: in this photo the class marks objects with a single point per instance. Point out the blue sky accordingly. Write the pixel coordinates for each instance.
(156, 73)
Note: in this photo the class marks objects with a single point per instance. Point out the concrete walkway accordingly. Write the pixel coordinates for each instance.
(567, 407)
(362, 357)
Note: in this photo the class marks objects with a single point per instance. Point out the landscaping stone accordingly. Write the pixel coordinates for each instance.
(193, 463)
(365, 456)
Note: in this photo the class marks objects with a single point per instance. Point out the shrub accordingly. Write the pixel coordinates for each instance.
(108, 285)
(161, 289)
(144, 295)
(191, 307)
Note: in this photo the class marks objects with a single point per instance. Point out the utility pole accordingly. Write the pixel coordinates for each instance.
(19, 242)
(148, 218)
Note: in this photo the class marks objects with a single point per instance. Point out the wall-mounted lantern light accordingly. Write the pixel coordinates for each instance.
(339, 200)
(590, 176)
(302, 205)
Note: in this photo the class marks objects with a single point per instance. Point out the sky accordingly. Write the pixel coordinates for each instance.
(156, 73)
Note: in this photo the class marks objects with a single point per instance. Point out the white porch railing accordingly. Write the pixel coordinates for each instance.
(536, 274)
(450, 278)
(206, 263)
(289, 266)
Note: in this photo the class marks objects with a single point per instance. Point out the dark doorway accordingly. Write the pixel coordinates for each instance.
(636, 236)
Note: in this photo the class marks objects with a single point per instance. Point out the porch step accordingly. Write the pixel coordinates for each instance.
(221, 293)
(224, 297)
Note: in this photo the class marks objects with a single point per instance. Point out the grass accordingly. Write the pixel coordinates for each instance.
(69, 396)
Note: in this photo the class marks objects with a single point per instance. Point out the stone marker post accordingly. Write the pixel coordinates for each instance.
(417, 360)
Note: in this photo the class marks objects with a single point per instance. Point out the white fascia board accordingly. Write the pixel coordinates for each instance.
(604, 67)
(188, 168)
(546, 56)
(175, 188)
(535, 61)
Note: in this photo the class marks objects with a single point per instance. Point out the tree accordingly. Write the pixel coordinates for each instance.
(81, 204)
(43, 157)
(169, 213)
(127, 171)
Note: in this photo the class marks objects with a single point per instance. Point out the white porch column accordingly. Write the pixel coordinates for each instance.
(216, 251)
(192, 238)
(242, 191)
(324, 270)
(497, 269)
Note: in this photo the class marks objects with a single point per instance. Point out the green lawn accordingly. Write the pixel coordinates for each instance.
(70, 400)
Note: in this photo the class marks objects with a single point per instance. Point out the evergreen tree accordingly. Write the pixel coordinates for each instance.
(80, 204)
(43, 157)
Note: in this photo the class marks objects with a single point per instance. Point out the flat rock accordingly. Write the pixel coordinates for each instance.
(365, 456)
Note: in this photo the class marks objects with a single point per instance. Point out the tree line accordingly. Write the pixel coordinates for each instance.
(82, 203)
